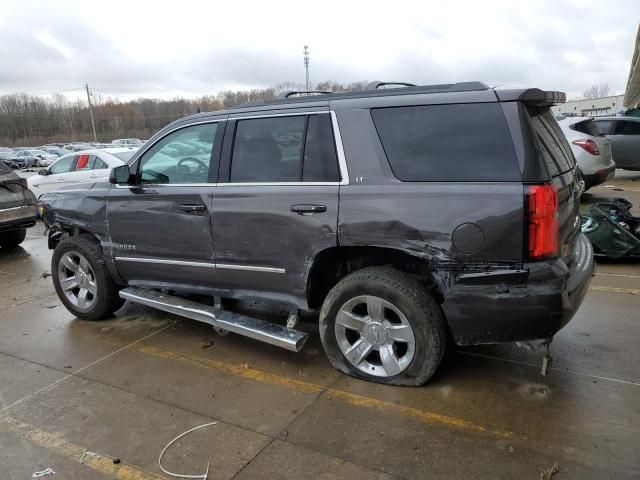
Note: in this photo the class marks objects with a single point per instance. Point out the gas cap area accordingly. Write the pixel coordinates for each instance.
(468, 238)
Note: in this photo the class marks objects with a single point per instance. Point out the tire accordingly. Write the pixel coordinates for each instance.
(78, 264)
(382, 303)
(13, 238)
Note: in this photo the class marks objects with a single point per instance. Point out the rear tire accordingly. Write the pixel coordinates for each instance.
(379, 324)
(82, 280)
(12, 239)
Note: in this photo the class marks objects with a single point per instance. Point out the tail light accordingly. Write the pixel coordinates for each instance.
(587, 144)
(543, 221)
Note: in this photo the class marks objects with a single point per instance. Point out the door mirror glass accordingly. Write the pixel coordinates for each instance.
(120, 174)
(44, 172)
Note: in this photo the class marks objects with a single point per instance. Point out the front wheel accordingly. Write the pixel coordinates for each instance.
(381, 325)
(81, 278)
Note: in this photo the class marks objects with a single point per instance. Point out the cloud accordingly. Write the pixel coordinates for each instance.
(144, 48)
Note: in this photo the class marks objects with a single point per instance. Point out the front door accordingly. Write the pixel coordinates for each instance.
(276, 203)
(160, 225)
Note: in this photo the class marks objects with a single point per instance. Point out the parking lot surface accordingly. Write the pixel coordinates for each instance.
(123, 388)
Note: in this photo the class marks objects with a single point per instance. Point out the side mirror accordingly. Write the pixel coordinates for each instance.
(44, 172)
(120, 174)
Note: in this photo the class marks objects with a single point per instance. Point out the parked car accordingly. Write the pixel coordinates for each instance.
(624, 133)
(77, 147)
(398, 215)
(127, 142)
(591, 147)
(40, 157)
(85, 166)
(17, 208)
(54, 150)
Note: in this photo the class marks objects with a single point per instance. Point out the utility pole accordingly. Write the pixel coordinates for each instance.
(306, 67)
(93, 124)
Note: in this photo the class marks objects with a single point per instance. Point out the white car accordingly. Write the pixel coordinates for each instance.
(79, 167)
(591, 147)
(127, 142)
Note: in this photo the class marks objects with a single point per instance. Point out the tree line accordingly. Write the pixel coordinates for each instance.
(28, 120)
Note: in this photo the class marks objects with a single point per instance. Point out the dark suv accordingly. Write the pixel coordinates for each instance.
(403, 215)
(17, 208)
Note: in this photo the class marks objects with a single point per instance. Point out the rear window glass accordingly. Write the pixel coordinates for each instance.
(454, 143)
(551, 142)
(588, 127)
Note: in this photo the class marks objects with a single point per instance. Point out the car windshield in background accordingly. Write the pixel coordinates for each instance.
(588, 127)
(454, 143)
(551, 142)
(124, 156)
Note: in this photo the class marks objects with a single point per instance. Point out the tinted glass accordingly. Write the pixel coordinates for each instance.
(99, 164)
(629, 128)
(320, 158)
(181, 157)
(469, 142)
(551, 142)
(604, 125)
(63, 165)
(268, 150)
(588, 127)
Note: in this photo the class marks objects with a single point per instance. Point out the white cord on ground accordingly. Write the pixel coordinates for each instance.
(204, 475)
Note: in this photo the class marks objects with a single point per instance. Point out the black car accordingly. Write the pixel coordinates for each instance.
(17, 208)
(400, 216)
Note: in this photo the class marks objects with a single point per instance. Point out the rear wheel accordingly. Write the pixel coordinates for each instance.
(81, 279)
(12, 239)
(381, 325)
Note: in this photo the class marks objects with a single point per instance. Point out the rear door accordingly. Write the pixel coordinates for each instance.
(276, 203)
(626, 143)
(561, 166)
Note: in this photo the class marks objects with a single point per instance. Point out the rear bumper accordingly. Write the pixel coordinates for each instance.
(529, 304)
(17, 217)
(599, 177)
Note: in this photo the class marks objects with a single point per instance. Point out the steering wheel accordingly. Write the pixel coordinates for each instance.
(202, 167)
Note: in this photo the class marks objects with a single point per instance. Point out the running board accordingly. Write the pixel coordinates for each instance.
(255, 328)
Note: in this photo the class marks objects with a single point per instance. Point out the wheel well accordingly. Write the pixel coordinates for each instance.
(59, 232)
(332, 264)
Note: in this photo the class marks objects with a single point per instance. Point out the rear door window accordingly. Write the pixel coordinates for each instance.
(452, 143)
(605, 125)
(628, 128)
(551, 142)
(284, 149)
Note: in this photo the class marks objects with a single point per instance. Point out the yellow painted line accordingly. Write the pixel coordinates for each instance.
(417, 413)
(598, 288)
(308, 387)
(239, 370)
(55, 443)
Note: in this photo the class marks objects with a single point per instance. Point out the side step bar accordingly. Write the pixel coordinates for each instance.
(257, 329)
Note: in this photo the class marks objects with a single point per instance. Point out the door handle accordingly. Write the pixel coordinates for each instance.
(193, 207)
(308, 209)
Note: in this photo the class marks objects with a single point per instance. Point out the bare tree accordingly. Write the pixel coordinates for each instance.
(597, 90)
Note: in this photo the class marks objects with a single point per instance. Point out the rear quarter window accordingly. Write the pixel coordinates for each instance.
(453, 143)
(4, 168)
(551, 142)
(588, 127)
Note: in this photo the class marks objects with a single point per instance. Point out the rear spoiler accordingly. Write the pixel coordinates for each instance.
(531, 96)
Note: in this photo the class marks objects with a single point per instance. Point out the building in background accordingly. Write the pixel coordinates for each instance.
(592, 107)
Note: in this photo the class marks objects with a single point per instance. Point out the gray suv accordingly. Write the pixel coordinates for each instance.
(401, 216)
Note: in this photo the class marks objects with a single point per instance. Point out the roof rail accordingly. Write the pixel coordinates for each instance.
(290, 93)
(377, 84)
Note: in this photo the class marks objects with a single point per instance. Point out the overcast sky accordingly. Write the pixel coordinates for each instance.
(160, 49)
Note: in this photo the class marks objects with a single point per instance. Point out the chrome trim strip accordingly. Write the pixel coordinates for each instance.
(342, 160)
(251, 268)
(184, 263)
(166, 262)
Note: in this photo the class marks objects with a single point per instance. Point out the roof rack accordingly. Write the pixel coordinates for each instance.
(377, 84)
(291, 93)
